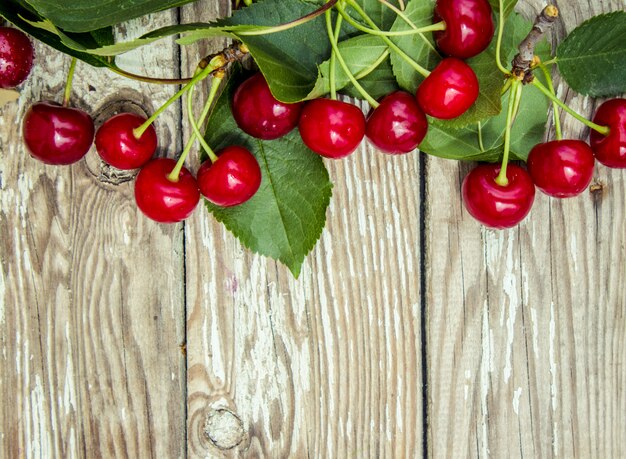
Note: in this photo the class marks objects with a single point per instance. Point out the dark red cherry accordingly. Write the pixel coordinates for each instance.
(398, 125)
(331, 128)
(610, 149)
(117, 145)
(258, 113)
(16, 57)
(55, 134)
(233, 179)
(494, 205)
(161, 199)
(449, 91)
(561, 168)
(469, 27)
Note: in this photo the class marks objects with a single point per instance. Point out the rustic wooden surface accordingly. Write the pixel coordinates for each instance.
(124, 338)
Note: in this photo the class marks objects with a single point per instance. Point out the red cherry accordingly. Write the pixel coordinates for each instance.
(57, 135)
(450, 89)
(561, 168)
(610, 149)
(16, 57)
(233, 179)
(117, 145)
(398, 125)
(331, 128)
(161, 199)
(469, 27)
(494, 205)
(258, 113)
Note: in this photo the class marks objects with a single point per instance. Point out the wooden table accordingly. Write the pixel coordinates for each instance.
(412, 330)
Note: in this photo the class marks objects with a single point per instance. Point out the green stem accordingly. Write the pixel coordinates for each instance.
(502, 179)
(196, 134)
(480, 137)
(596, 127)
(506, 87)
(499, 39)
(195, 125)
(554, 60)
(555, 108)
(199, 75)
(418, 68)
(146, 79)
(333, 37)
(342, 63)
(395, 33)
(68, 84)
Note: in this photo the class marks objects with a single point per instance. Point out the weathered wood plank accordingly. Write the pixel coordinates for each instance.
(91, 297)
(328, 365)
(526, 330)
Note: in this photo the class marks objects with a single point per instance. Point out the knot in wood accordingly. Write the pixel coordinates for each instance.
(224, 428)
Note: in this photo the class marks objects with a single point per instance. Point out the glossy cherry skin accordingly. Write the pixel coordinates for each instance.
(331, 128)
(561, 168)
(161, 199)
(469, 27)
(610, 149)
(494, 205)
(449, 90)
(16, 57)
(398, 125)
(57, 135)
(233, 179)
(117, 145)
(258, 113)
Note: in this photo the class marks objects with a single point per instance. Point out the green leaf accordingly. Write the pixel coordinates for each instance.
(463, 144)
(382, 15)
(361, 53)
(88, 15)
(592, 59)
(288, 59)
(419, 47)
(24, 19)
(285, 218)
(509, 6)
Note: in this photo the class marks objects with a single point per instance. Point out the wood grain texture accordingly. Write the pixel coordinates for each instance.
(91, 297)
(526, 342)
(325, 366)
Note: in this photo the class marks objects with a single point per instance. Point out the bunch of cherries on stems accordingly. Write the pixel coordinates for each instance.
(497, 195)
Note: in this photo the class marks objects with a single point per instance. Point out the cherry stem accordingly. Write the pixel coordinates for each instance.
(604, 130)
(555, 108)
(342, 62)
(418, 68)
(395, 33)
(292, 24)
(196, 134)
(514, 98)
(333, 37)
(68, 84)
(215, 85)
(201, 74)
(146, 79)
(480, 137)
(499, 39)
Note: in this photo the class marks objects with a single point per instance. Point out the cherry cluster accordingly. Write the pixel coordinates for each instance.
(497, 195)
(165, 191)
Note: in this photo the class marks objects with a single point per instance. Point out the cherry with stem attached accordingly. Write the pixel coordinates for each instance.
(330, 127)
(58, 134)
(165, 190)
(560, 168)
